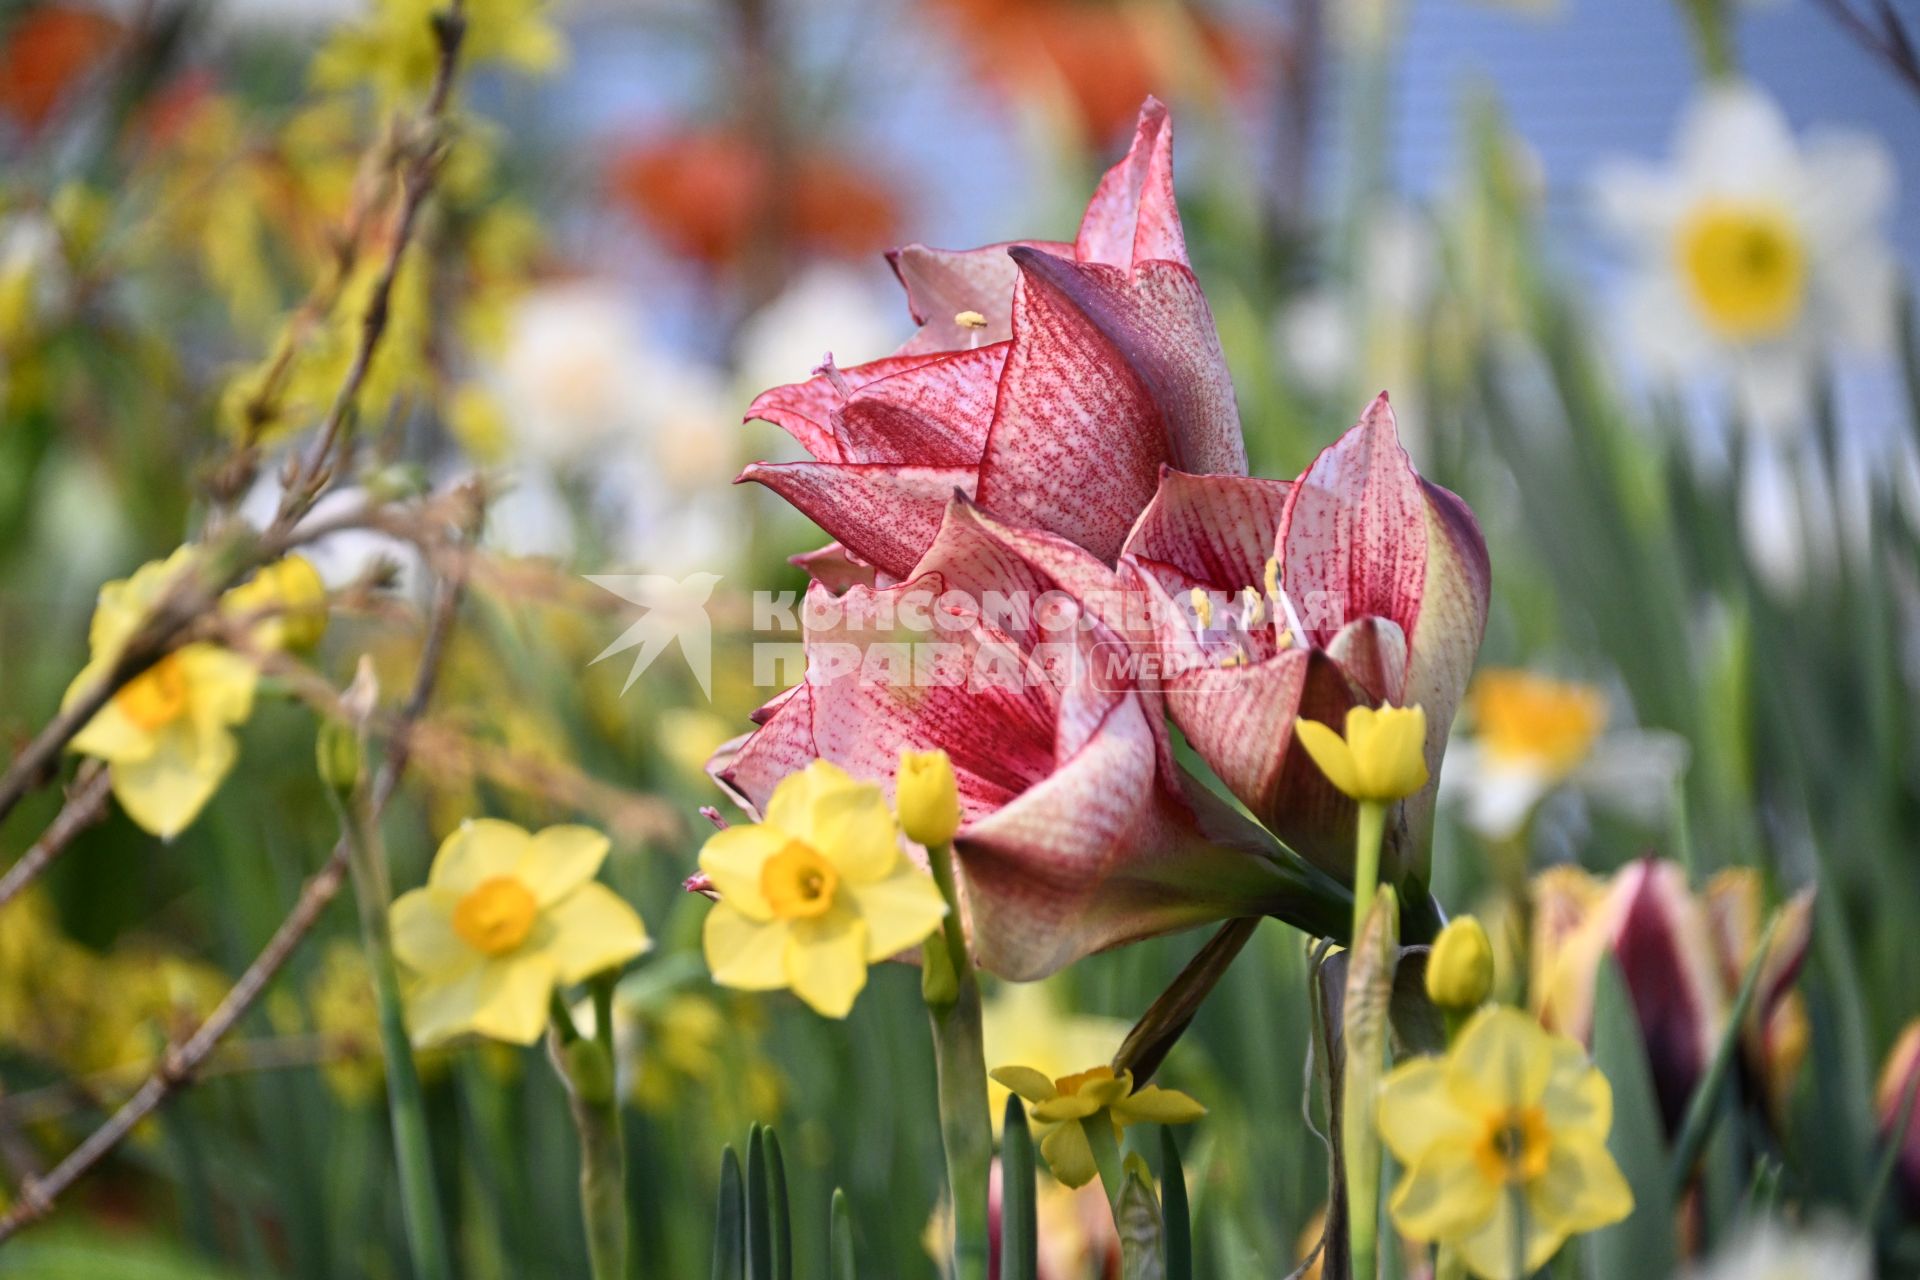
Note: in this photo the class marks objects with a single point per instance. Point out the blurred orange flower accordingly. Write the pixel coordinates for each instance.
(44, 51)
(708, 192)
(1099, 57)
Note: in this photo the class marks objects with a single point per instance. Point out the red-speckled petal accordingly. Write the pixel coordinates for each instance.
(943, 283)
(1216, 529)
(884, 514)
(934, 414)
(1132, 217)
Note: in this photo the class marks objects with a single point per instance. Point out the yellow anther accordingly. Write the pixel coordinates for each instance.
(1202, 606)
(1285, 639)
(1253, 607)
(970, 320)
(1273, 578)
(1234, 659)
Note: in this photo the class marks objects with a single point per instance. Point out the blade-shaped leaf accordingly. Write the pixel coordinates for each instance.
(759, 1215)
(1019, 1212)
(840, 1240)
(729, 1222)
(1644, 1241)
(1174, 1211)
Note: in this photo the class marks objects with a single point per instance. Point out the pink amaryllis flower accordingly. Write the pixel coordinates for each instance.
(1049, 381)
(1358, 583)
(1683, 957)
(1080, 832)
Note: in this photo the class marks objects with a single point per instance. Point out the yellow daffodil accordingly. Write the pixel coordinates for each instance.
(928, 797)
(288, 601)
(816, 893)
(1034, 1023)
(1504, 1142)
(1379, 759)
(1061, 1105)
(165, 734)
(505, 917)
(1460, 966)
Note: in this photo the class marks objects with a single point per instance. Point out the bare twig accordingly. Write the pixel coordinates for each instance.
(84, 807)
(1884, 35)
(181, 1061)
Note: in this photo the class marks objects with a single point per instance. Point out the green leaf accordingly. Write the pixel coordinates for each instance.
(729, 1222)
(780, 1208)
(1642, 1244)
(1019, 1213)
(840, 1240)
(1173, 1209)
(1704, 1108)
(759, 1213)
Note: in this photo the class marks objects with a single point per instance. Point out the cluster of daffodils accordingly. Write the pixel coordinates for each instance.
(505, 919)
(167, 735)
(821, 889)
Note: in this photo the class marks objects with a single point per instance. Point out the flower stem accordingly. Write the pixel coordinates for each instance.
(406, 1106)
(586, 1066)
(966, 1125)
(1369, 829)
(1106, 1158)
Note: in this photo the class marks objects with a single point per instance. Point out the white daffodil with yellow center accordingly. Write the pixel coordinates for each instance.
(504, 919)
(1755, 256)
(1532, 734)
(166, 734)
(1504, 1143)
(815, 893)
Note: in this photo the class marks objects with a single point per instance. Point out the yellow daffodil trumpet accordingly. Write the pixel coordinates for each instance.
(1085, 1113)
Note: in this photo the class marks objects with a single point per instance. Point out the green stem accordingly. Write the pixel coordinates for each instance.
(1369, 829)
(406, 1105)
(587, 1068)
(966, 1124)
(1106, 1158)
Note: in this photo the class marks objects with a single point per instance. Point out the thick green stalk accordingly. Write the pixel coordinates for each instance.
(586, 1067)
(1370, 970)
(966, 1124)
(406, 1106)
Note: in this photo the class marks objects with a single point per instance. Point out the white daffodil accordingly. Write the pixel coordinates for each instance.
(1532, 735)
(1770, 1251)
(1756, 256)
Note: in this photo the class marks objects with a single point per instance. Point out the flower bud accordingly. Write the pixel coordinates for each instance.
(337, 754)
(1460, 967)
(927, 798)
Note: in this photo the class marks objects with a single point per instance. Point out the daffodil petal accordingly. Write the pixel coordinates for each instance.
(503, 999)
(166, 790)
(1329, 750)
(559, 860)
(1069, 1108)
(1444, 1194)
(513, 995)
(900, 910)
(423, 934)
(1581, 1190)
(1154, 1105)
(734, 858)
(744, 953)
(480, 850)
(1509, 1236)
(1069, 1155)
(827, 964)
(1501, 1061)
(1025, 1081)
(220, 684)
(590, 930)
(1578, 1101)
(110, 735)
(1416, 1110)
